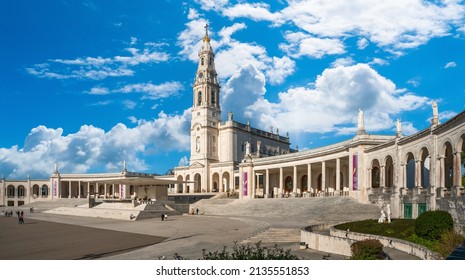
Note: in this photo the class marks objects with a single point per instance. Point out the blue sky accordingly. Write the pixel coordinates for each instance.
(88, 84)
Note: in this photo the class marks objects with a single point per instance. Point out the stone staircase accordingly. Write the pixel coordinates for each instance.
(328, 209)
(276, 235)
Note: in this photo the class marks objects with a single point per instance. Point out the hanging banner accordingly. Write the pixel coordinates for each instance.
(246, 187)
(55, 186)
(355, 172)
(122, 191)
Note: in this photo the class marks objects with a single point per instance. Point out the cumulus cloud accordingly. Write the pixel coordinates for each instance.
(98, 90)
(92, 148)
(216, 5)
(301, 44)
(332, 103)
(184, 161)
(254, 11)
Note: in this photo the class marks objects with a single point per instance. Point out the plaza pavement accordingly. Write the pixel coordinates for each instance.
(50, 237)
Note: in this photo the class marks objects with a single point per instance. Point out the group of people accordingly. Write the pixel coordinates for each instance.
(20, 215)
(196, 211)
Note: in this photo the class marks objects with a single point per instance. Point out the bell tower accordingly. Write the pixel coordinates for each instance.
(206, 110)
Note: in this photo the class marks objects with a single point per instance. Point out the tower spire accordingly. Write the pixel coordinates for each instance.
(206, 37)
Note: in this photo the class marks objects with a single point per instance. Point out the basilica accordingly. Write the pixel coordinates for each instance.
(412, 174)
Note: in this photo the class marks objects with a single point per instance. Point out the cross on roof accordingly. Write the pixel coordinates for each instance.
(206, 29)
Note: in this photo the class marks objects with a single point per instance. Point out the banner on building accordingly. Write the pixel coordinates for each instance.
(246, 185)
(122, 191)
(355, 172)
(55, 187)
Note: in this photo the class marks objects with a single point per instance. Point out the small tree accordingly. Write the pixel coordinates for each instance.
(432, 224)
(250, 252)
(368, 249)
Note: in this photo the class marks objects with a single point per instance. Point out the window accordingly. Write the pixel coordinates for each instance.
(201, 61)
(213, 97)
(199, 99)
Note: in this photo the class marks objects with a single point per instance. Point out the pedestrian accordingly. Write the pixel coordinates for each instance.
(162, 217)
(166, 217)
(197, 211)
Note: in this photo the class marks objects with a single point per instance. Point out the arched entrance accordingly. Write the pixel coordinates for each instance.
(410, 170)
(425, 168)
(198, 182)
(375, 174)
(448, 174)
(44, 191)
(215, 182)
(35, 191)
(225, 186)
(389, 172)
(319, 183)
(180, 185)
(188, 185)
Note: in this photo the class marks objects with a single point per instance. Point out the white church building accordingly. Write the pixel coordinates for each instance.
(413, 174)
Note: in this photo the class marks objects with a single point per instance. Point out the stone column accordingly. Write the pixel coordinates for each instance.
(69, 189)
(309, 178)
(105, 191)
(417, 173)
(79, 189)
(442, 177)
(323, 176)
(267, 183)
(351, 170)
(294, 181)
(338, 175)
(280, 182)
(88, 189)
(457, 169)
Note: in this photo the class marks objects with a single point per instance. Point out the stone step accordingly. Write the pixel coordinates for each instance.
(276, 235)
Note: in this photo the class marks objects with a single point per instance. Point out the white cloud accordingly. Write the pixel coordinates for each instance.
(92, 148)
(97, 68)
(129, 104)
(378, 61)
(362, 43)
(398, 24)
(414, 82)
(98, 90)
(152, 91)
(254, 11)
(343, 61)
(133, 41)
(216, 5)
(301, 44)
(451, 64)
(193, 14)
(332, 103)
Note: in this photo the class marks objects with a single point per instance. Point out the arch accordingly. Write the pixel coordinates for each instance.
(425, 167)
(199, 98)
(215, 182)
(180, 185)
(375, 174)
(132, 190)
(389, 172)
(410, 170)
(44, 191)
(92, 189)
(288, 184)
(448, 171)
(21, 191)
(225, 182)
(35, 190)
(10, 190)
(101, 190)
(198, 182)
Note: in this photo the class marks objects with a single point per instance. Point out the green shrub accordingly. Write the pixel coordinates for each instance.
(432, 224)
(448, 242)
(368, 249)
(250, 252)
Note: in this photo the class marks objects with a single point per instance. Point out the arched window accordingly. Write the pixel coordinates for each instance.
(213, 97)
(199, 99)
(11, 191)
(44, 191)
(21, 191)
(201, 61)
(210, 61)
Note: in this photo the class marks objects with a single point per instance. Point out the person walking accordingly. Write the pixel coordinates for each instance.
(162, 217)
